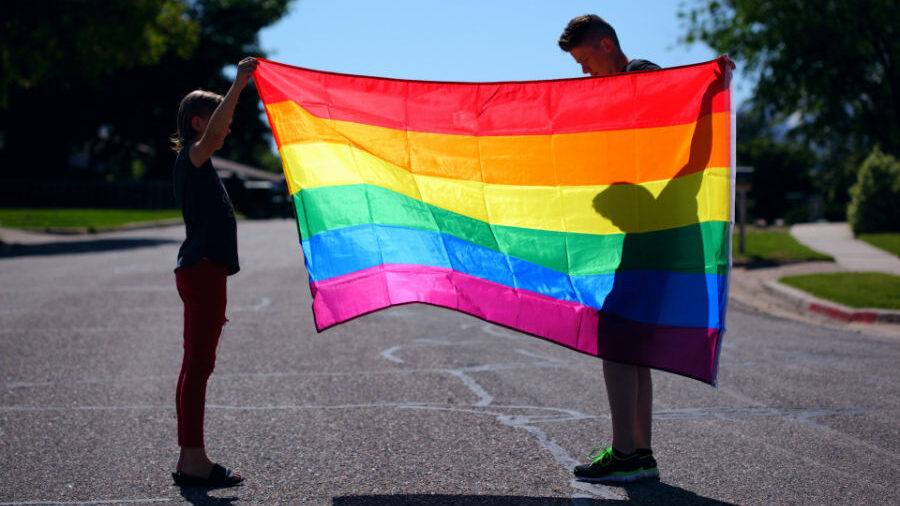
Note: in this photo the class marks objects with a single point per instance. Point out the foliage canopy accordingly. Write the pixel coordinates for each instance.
(835, 62)
(91, 88)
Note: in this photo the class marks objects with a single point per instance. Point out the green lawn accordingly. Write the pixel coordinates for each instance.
(854, 289)
(80, 220)
(889, 241)
(772, 246)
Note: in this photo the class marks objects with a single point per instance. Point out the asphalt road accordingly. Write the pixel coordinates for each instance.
(413, 405)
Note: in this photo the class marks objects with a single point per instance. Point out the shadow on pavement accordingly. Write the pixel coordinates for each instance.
(755, 262)
(73, 247)
(642, 493)
(657, 492)
(200, 496)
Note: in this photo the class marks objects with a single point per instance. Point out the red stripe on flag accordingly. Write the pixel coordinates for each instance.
(621, 101)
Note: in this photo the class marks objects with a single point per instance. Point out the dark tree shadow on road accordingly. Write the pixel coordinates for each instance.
(650, 492)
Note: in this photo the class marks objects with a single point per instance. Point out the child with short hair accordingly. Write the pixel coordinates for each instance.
(207, 256)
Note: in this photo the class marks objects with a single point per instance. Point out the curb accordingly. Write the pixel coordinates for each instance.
(807, 302)
(28, 236)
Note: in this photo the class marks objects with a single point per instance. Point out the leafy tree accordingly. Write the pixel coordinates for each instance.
(782, 170)
(64, 43)
(873, 207)
(836, 62)
(831, 66)
(102, 80)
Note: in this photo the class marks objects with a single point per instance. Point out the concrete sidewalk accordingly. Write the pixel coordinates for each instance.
(759, 288)
(837, 240)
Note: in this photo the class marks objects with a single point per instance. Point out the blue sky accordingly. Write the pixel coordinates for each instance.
(470, 40)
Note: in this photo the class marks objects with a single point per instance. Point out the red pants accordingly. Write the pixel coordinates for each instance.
(202, 288)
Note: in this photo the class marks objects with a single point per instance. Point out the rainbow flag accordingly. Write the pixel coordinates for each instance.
(592, 212)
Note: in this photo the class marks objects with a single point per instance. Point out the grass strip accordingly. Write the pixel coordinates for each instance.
(773, 246)
(81, 220)
(888, 241)
(853, 289)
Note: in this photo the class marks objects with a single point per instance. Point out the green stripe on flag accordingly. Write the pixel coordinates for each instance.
(698, 248)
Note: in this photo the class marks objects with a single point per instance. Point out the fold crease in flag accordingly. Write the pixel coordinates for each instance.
(593, 212)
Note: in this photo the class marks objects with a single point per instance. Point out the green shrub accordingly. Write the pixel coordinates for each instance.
(874, 198)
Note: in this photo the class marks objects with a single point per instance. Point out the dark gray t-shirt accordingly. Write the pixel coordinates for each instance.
(634, 65)
(210, 227)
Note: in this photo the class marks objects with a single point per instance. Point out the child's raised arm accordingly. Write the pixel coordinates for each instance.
(217, 126)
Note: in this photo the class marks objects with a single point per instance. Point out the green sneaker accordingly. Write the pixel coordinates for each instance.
(609, 468)
(648, 463)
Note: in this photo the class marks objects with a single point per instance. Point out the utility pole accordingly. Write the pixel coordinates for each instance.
(742, 186)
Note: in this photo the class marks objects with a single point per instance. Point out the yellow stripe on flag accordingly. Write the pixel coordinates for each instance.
(654, 205)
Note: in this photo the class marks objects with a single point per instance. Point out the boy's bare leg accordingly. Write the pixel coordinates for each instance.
(622, 382)
(644, 416)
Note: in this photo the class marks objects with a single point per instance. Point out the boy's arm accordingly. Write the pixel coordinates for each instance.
(220, 120)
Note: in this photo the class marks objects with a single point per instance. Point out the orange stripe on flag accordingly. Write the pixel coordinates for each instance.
(589, 158)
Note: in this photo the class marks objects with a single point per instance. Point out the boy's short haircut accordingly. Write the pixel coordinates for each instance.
(586, 28)
(196, 103)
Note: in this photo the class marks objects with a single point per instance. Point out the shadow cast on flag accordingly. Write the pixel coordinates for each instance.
(592, 212)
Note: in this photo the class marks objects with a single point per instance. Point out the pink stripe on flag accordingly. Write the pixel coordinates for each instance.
(337, 300)
(683, 350)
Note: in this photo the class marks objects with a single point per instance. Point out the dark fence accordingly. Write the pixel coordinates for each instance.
(254, 199)
(88, 194)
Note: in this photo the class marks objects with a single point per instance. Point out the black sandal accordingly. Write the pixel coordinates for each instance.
(219, 477)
